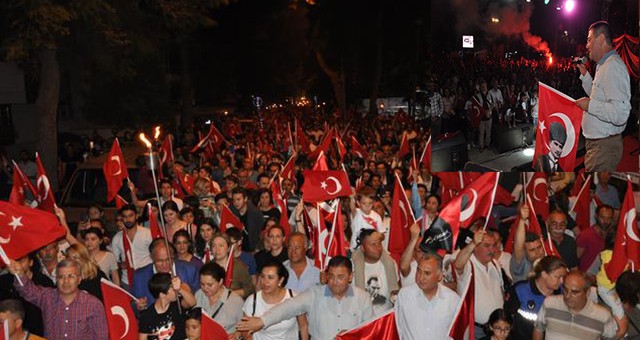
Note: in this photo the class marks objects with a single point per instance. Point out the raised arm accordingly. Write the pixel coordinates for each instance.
(407, 255)
(518, 239)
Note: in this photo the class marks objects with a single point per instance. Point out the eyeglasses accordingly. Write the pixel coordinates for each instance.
(66, 276)
(501, 330)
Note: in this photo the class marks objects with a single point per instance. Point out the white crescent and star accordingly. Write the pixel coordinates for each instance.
(571, 133)
(324, 185)
(535, 185)
(119, 311)
(117, 160)
(45, 183)
(471, 207)
(630, 221)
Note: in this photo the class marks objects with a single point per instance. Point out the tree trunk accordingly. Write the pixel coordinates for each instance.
(337, 81)
(377, 74)
(186, 87)
(47, 108)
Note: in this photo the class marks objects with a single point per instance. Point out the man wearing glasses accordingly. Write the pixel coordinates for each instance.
(68, 312)
(573, 315)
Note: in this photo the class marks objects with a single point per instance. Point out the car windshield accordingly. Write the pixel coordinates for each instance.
(88, 187)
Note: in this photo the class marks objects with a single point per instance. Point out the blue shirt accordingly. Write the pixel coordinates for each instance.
(309, 278)
(248, 259)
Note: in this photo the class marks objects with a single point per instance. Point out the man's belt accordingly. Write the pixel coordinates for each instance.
(597, 139)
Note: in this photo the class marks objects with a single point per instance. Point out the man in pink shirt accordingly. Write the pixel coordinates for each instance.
(591, 240)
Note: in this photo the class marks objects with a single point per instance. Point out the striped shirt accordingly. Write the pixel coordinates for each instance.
(593, 321)
(84, 318)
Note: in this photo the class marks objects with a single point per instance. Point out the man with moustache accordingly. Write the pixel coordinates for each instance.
(566, 245)
(591, 240)
(607, 107)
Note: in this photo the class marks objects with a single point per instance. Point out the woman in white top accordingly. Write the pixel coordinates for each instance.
(273, 279)
(104, 259)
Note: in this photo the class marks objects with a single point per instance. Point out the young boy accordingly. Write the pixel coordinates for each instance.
(162, 320)
(363, 216)
(193, 323)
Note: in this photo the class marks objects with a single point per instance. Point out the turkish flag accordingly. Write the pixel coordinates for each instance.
(128, 257)
(120, 316)
(23, 229)
(357, 149)
(20, 184)
(115, 170)
(228, 219)
(301, 137)
(338, 244)
(558, 130)
(325, 144)
(462, 326)
(531, 225)
(213, 137)
(325, 185)
(228, 277)
(45, 198)
(153, 224)
(320, 241)
(404, 146)
(342, 150)
(282, 206)
(626, 249)
(477, 112)
(402, 219)
(581, 206)
(165, 154)
(288, 169)
(211, 329)
(321, 162)
(186, 180)
(472, 202)
(538, 190)
(380, 328)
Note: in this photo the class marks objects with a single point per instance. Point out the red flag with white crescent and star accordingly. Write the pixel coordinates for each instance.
(326, 185)
(289, 167)
(120, 316)
(24, 229)
(165, 154)
(558, 131)
(115, 170)
(626, 249)
(211, 329)
(537, 188)
(402, 218)
(154, 227)
(20, 185)
(45, 198)
(229, 220)
(213, 138)
(403, 150)
(357, 149)
(477, 112)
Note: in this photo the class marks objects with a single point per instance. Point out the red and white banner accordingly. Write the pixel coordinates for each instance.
(402, 218)
(626, 250)
(229, 220)
(120, 316)
(45, 198)
(380, 328)
(156, 231)
(537, 188)
(357, 149)
(326, 185)
(558, 131)
(20, 185)
(24, 229)
(115, 170)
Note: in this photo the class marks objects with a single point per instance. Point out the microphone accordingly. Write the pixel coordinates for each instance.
(579, 60)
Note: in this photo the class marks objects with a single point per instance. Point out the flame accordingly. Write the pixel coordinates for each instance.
(550, 60)
(144, 139)
(157, 134)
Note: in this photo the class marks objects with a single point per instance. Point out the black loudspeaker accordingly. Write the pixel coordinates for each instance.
(506, 138)
(449, 155)
(528, 132)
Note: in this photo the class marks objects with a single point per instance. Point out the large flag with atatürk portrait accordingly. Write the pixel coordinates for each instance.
(558, 131)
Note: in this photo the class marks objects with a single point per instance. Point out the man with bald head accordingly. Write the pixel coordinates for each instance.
(573, 315)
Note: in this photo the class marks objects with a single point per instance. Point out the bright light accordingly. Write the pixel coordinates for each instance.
(495, 20)
(157, 133)
(528, 152)
(550, 60)
(569, 6)
(144, 139)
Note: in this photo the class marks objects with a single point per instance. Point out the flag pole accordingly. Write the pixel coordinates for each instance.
(5, 259)
(580, 193)
(493, 197)
(164, 227)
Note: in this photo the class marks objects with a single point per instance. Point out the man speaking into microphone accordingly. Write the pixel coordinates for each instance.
(607, 108)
